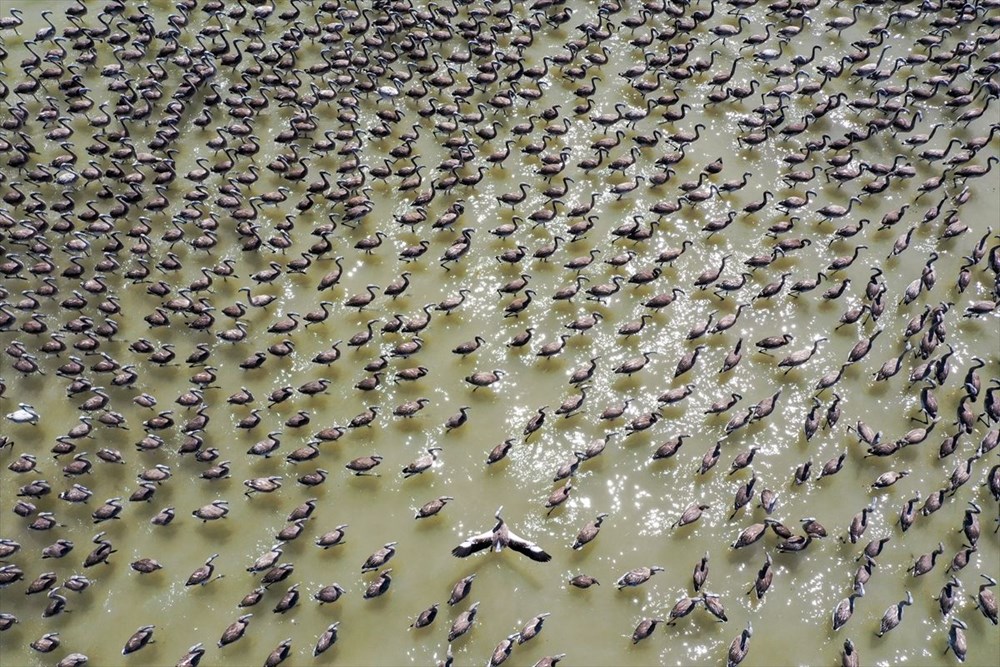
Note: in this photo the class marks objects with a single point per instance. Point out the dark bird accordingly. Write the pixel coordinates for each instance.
(379, 586)
(584, 581)
(645, 629)
(235, 630)
(638, 576)
(463, 623)
(426, 617)
(589, 532)
(380, 557)
(139, 639)
(532, 627)
(740, 646)
(956, 639)
(461, 589)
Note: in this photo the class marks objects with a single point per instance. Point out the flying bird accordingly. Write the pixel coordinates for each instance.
(497, 539)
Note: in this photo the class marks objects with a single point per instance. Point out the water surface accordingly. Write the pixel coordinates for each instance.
(642, 497)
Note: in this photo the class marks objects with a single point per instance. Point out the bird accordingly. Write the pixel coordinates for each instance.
(532, 627)
(380, 585)
(682, 608)
(380, 557)
(986, 602)
(584, 581)
(849, 656)
(645, 629)
(502, 651)
(426, 617)
(497, 539)
(894, 615)
(203, 574)
(463, 623)
(139, 639)
(957, 643)
(690, 515)
(589, 532)
(461, 589)
(637, 576)
(845, 608)
(235, 630)
(740, 646)
(432, 507)
(25, 414)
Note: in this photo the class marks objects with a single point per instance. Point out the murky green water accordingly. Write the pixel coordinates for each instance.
(642, 497)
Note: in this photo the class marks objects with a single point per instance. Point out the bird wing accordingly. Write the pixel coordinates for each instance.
(473, 544)
(529, 549)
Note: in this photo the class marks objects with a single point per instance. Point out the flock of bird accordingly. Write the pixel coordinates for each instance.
(139, 234)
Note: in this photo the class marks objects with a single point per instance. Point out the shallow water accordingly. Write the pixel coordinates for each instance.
(642, 497)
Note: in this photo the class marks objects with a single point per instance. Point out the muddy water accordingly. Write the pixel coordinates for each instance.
(642, 497)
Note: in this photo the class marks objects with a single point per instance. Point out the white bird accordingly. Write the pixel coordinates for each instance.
(499, 538)
(25, 414)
